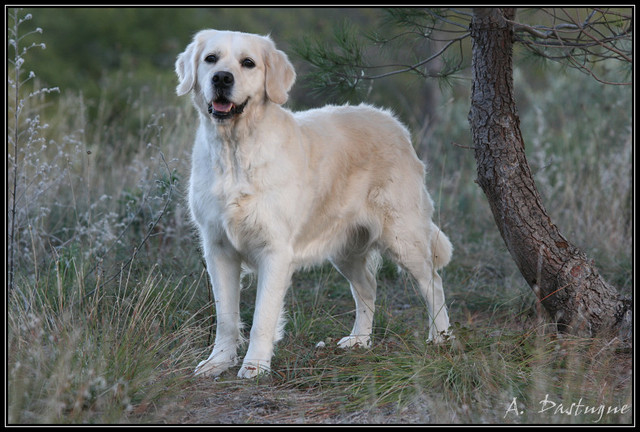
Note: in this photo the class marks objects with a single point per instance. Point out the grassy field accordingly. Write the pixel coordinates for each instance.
(110, 308)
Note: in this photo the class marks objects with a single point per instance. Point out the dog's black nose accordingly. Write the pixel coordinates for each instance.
(222, 79)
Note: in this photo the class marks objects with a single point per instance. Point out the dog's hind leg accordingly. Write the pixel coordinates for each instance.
(361, 276)
(421, 253)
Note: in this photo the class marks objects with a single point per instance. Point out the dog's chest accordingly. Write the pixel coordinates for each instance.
(241, 209)
(230, 199)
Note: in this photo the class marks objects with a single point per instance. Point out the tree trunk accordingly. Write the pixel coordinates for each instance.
(565, 281)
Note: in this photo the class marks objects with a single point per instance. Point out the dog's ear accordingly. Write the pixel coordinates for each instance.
(186, 66)
(280, 76)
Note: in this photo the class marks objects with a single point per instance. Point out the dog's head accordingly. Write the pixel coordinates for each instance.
(229, 71)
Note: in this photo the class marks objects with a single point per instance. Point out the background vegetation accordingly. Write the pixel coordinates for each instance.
(110, 308)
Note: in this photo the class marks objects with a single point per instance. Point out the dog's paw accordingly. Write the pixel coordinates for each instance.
(211, 368)
(253, 369)
(441, 337)
(355, 341)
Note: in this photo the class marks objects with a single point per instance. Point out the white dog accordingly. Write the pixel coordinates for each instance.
(277, 190)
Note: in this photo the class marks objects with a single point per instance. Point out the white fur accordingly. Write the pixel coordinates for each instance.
(277, 190)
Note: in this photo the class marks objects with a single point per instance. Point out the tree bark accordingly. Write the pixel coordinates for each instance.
(565, 281)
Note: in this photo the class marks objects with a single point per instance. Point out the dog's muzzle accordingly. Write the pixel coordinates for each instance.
(221, 108)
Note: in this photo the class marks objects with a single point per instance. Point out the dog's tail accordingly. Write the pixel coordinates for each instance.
(441, 247)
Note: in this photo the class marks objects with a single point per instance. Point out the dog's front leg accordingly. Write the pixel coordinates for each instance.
(223, 266)
(274, 277)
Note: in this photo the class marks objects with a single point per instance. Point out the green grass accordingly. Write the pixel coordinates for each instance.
(94, 358)
(111, 310)
(505, 354)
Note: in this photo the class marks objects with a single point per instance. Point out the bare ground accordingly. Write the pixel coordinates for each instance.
(261, 402)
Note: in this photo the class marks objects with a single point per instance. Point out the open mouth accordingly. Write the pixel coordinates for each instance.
(223, 109)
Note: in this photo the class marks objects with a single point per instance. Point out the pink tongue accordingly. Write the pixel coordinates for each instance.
(222, 107)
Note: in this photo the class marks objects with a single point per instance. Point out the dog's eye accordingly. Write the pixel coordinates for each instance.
(248, 63)
(211, 58)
